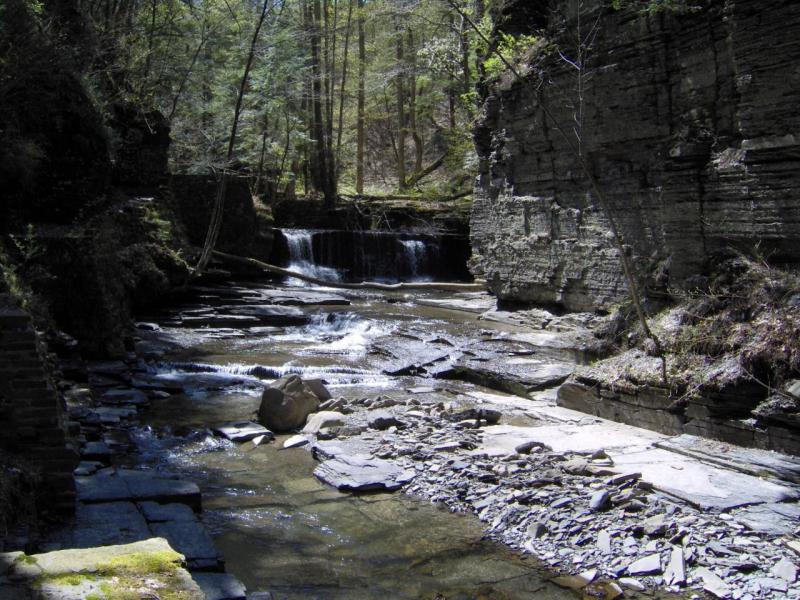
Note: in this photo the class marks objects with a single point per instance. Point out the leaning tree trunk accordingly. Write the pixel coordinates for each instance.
(219, 203)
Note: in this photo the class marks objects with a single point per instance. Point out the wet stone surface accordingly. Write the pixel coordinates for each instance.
(609, 507)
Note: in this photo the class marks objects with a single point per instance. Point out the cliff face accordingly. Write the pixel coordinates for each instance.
(689, 123)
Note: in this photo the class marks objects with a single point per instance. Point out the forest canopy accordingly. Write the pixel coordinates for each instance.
(329, 96)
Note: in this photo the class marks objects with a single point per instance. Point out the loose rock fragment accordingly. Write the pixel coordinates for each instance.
(537, 530)
(576, 582)
(604, 542)
(786, 570)
(599, 501)
(295, 441)
(632, 584)
(712, 583)
(648, 565)
(675, 573)
(655, 526)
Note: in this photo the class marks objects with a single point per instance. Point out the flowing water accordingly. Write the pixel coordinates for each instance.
(278, 527)
(372, 255)
(301, 258)
(416, 253)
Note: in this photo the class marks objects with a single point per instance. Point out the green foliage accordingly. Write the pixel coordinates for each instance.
(10, 280)
(514, 49)
(27, 245)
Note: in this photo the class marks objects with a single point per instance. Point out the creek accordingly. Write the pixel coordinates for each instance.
(278, 527)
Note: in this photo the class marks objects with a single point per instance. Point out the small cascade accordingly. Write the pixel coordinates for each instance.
(300, 248)
(415, 253)
(300, 243)
(241, 376)
(339, 255)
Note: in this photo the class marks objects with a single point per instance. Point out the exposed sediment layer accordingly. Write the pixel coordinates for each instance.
(687, 121)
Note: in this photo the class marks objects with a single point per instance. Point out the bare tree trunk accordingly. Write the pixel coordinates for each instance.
(419, 148)
(360, 134)
(176, 98)
(401, 110)
(219, 203)
(262, 154)
(452, 85)
(466, 72)
(329, 56)
(321, 172)
(343, 87)
(148, 61)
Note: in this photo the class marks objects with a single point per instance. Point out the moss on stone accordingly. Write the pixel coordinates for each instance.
(142, 564)
(66, 579)
(125, 577)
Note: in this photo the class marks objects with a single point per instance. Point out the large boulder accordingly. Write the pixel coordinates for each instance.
(286, 404)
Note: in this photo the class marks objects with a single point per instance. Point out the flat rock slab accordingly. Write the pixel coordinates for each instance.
(473, 302)
(108, 523)
(356, 473)
(192, 540)
(301, 298)
(272, 315)
(516, 374)
(124, 396)
(220, 586)
(698, 482)
(92, 561)
(159, 513)
(136, 486)
(772, 519)
(406, 356)
(219, 320)
(242, 431)
(595, 435)
(180, 381)
(752, 461)
(705, 486)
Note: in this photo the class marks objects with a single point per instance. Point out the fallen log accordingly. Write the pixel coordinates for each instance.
(477, 286)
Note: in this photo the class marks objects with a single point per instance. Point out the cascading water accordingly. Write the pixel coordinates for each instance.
(301, 257)
(416, 254)
(339, 255)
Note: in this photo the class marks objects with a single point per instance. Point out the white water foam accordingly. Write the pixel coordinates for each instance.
(416, 253)
(301, 258)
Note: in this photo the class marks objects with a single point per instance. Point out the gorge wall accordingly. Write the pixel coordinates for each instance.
(689, 123)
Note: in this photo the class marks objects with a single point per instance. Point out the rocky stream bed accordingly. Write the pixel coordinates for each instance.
(439, 404)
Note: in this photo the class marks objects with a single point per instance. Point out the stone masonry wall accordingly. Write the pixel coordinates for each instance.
(690, 124)
(31, 410)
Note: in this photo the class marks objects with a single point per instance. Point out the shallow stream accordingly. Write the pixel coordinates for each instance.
(279, 528)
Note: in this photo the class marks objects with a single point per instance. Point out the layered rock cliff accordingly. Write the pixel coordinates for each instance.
(688, 121)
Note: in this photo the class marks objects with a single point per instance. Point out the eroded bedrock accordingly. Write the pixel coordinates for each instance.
(689, 124)
(739, 413)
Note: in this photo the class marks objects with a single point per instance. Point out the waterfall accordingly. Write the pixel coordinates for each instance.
(342, 255)
(300, 248)
(301, 257)
(415, 252)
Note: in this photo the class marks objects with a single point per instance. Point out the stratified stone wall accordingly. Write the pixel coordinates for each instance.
(690, 124)
(30, 408)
